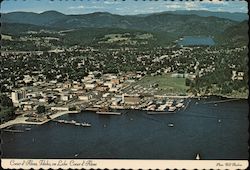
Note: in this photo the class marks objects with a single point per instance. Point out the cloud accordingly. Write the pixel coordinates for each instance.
(85, 7)
(111, 2)
(77, 7)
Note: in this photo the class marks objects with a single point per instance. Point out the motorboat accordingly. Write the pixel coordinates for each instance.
(170, 125)
(198, 157)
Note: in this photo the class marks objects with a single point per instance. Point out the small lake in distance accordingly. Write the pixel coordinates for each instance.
(196, 41)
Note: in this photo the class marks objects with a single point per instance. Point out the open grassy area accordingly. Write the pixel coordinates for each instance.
(166, 84)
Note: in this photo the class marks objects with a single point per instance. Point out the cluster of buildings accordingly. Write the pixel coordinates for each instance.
(97, 93)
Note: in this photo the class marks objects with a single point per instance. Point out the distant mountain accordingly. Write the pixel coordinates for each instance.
(43, 19)
(236, 16)
(175, 24)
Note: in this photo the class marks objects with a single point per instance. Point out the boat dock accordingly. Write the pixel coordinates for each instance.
(159, 112)
(14, 131)
(108, 113)
(72, 122)
(94, 109)
(220, 101)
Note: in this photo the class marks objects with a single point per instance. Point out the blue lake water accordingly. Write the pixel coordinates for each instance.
(137, 135)
(196, 41)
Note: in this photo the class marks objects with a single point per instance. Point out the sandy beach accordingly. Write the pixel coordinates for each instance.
(22, 120)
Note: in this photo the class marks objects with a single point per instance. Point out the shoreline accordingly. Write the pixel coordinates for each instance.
(221, 95)
(22, 120)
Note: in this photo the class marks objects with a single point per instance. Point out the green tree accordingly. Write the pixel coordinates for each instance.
(7, 110)
(5, 101)
(40, 109)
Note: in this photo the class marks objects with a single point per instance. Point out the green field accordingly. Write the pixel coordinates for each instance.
(166, 84)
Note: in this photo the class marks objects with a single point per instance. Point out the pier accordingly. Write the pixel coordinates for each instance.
(23, 120)
(14, 131)
(160, 112)
(91, 109)
(72, 122)
(108, 113)
(220, 101)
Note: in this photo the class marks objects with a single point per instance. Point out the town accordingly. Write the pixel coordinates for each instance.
(157, 80)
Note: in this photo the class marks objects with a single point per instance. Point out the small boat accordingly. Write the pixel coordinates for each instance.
(76, 155)
(104, 125)
(27, 129)
(86, 124)
(198, 157)
(219, 121)
(170, 125)
(77, 124)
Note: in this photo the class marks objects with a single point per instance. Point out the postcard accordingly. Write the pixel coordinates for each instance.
(113, 84)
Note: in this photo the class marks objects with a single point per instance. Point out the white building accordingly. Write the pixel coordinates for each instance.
(16, 96)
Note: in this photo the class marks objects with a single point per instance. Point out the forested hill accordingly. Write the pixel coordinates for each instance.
(163, 28)
(173, 23)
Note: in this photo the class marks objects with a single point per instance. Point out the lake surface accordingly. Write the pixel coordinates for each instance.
(137, 135)
(196, 41)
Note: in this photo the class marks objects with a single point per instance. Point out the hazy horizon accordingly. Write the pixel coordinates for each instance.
(129, 7)
(121, 14)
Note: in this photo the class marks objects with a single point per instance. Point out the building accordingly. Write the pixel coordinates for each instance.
(84, 97)
(115, 81)
(64, 97)
(237, 75)
(17, 96)
(131, 99)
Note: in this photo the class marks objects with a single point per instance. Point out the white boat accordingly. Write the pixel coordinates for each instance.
(170, 125)
(86, 124)
(198, 157)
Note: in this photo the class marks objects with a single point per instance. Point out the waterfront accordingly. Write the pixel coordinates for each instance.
(214, 130)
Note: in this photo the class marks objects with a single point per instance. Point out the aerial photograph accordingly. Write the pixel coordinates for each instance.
(114, 79)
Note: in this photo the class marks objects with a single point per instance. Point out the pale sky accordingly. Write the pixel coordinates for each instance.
(128, 7)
